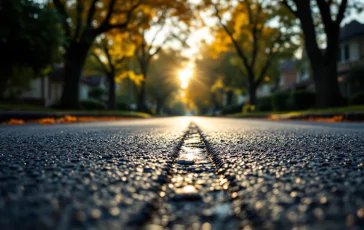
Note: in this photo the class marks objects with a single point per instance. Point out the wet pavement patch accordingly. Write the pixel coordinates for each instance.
(196, 197)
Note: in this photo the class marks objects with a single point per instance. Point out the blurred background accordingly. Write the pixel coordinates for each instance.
(182, 57)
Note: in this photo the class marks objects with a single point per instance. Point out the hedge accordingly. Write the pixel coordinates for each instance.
(357, 99)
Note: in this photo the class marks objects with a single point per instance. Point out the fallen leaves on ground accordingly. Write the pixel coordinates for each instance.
(66, 119)
(14, 122)
(318, 119)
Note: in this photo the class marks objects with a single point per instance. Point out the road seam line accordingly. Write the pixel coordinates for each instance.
(196, 195)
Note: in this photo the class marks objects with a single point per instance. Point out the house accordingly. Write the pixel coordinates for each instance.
(47, 90)
(44, 91)
(351, 48)
(350, 53)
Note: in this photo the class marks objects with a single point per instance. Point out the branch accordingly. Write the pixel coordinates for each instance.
(91, 13)
(325, 12)
(106, 26)
(102, 65)
(271, 56)
(62, 11)
(110, 10)
(108, 56)
(341, 13)
(155, 37)
(154, 53)
(235, 43)
(285, 3)
(78, 19)
(254, 31)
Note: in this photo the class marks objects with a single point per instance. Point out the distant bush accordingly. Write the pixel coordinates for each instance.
(97, 93)
(303, 99)
(357, 99)
(92, 105)
(356, 77)
(264, 104)
(122, 103)
(231, 109)
(248, 108)
(177, 109)
(280, 100)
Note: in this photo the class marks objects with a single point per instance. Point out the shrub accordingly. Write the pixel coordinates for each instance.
(357, 99)
(120, 105)
(97, 93)
(178, 109)
(92, 105)
(280, 100)
(303, 99)
(231, 109)
(356, 76)
(264, 104)
(248, 108)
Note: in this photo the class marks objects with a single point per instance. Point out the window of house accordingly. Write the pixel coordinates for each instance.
(346, 53)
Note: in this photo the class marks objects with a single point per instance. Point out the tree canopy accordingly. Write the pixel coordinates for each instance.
(30, 39)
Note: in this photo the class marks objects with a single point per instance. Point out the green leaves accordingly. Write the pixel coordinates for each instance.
(30, 38)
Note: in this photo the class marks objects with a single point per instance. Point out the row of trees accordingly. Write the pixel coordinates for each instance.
(256, 34)
(100, 36)
(121, 38)
(84, 21)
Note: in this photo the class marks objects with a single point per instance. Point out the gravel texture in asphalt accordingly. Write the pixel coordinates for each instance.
(163, 173)
(291, 175)
(105, 175)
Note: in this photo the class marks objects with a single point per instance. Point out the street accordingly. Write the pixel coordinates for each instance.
(182, 173)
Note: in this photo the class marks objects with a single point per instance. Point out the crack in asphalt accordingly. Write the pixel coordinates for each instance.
(196, 196)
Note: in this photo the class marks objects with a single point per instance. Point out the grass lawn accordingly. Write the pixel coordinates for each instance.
(25, 107)
(357, 108)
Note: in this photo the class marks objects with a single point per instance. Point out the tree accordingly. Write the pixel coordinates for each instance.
(205, 86)
(231, 76)
(256, 41)
(109, 57)
(29, 42)
(84, 20)
(146, 50)
(163, 82)
(323, 62)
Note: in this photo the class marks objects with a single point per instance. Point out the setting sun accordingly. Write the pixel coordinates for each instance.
(184, 76)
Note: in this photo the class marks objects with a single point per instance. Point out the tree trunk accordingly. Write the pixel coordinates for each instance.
(141, 98)
(215, 104)
(74, 61)
(229, 97)
(323, 63)
(3, 86)
(326, 84)
(112, 95)
(158, 106)
(252, 95)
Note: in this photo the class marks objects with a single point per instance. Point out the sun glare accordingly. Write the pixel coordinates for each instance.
(184, 75)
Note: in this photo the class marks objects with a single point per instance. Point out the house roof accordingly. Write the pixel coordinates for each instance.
(351, 29)
(57, 75)
(93, 80)
(288, 65)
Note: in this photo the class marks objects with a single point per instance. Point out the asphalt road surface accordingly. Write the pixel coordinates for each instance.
(171, 173)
